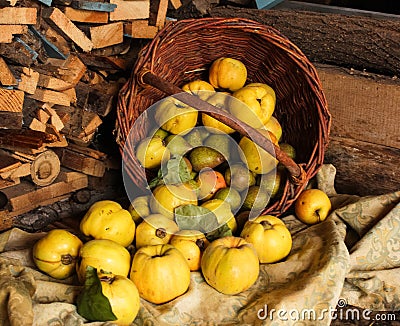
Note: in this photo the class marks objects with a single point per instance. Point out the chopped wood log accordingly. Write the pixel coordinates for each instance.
(42, 168)
(58, 41)
(51, 49)
(80, 162)
(95, 98)
(21, 171)
(11, 104)
(26, 140)
(29, 80)
(72, 69)
(81, 126)
(25, 50)
(66, 27)
(130, 10)
(357, 42)
(42, 116)
(363, 168)
(55, 120)
(161, 13)
(176, 4)
(7, 32)
(61, 139)
(71, 93)
(107, 35)
(140, 29)
(47, 95)
(64, 116)
(53, 83)
(7, 77)
(98, 155)
(7, 163)
(15, 16)
(37, 125)
(86, 16)
(6, 183)
(26, 196)
(104, 62)
(45, 168)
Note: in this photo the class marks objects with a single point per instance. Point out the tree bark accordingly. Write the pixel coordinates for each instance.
(357, 42)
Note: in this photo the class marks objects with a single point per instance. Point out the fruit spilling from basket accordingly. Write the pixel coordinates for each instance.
(203, 211)
(196, 158)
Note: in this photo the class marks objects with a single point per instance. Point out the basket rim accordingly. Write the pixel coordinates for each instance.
(147, 60)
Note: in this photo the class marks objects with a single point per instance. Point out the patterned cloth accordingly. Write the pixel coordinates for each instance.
(352, 258)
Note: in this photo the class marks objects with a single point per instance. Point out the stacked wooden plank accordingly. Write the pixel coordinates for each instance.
(62, 63)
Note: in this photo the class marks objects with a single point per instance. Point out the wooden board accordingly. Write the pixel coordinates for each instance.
(7, 78)
(7, 163)
(7, 32)
(107, 35)
(65, 26)
(54, 83)
(140, 29)
(26, 196)
(86, 16)
(29, 81)
(72, 69)
(46, 95)
(363, 168)
(348, 41)
(80, 162)
(126, 10)
(11, 104)
(14, 16)
(364, 106)
(161, 13)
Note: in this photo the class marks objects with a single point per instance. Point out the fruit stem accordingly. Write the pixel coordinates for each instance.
(161, 233)
(67, 259)
(318, 215)
(107, 279)
(266, 225)
(200, 243)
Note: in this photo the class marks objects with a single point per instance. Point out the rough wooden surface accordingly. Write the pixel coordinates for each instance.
(349, 41)
(363, 168)
(363, 106)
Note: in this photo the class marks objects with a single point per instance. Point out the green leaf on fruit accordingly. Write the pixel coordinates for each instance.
(173, 172)
(193, 217)
(222, 231)
(92, 304)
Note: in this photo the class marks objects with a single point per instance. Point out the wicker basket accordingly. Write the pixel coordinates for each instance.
(184, 50)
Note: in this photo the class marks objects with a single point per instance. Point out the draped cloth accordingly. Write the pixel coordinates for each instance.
(351, 258)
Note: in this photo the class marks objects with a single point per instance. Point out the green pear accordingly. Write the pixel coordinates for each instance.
(196, 136)
(161, 133)
(272, 183)
(238, 176)
(231, 196)
(255, 199)
(221, 142)
(205, 157)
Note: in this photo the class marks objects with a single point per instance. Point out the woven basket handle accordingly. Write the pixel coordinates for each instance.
(297, 173)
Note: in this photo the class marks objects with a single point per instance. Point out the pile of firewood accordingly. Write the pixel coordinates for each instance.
(62, 63)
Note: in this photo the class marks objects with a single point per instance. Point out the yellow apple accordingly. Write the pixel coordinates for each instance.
(312, 206)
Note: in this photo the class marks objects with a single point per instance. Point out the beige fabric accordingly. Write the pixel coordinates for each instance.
(351, 258)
